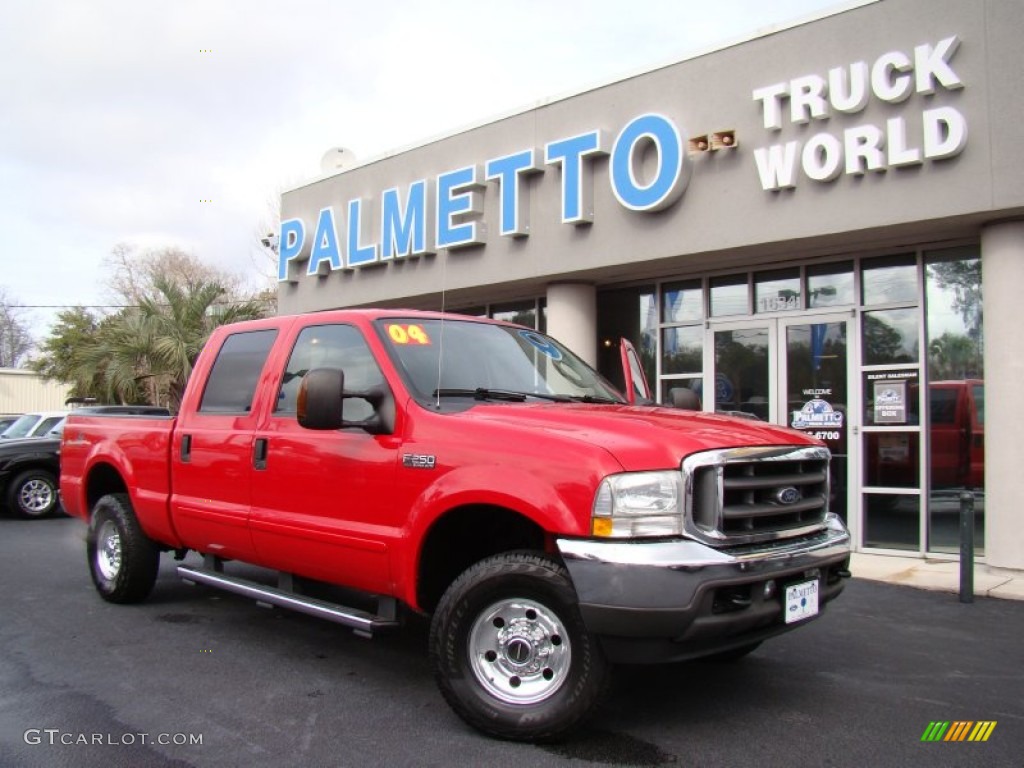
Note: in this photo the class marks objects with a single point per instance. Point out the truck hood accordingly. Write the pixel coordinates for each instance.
(639, 437)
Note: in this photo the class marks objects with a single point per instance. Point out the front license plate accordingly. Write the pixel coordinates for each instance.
(801, 601)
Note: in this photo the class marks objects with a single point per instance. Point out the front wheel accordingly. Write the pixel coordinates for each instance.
(33, 493)
(123, 561)
(510, 651)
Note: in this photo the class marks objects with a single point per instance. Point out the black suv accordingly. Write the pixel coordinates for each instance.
(30, 467)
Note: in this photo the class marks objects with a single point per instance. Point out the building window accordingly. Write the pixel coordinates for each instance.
(891, 280)
(777, 291)
(682, 302)
(629, 313)
(956, 394)
(682, 342)
(830, 285)
(890, 336)
(730, 295)
(519, 312)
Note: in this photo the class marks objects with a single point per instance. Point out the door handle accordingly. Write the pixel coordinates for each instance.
(259, 453)
(186, 448)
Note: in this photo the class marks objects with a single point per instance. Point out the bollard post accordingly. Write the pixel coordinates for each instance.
(966, 547)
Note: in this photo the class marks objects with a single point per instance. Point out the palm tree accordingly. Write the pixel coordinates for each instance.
(180, 318)
(146, 353)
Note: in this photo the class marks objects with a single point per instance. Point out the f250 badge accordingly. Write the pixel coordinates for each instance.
(419, 460)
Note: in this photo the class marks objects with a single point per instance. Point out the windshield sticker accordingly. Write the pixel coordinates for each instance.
(408, 334)
(544, 345)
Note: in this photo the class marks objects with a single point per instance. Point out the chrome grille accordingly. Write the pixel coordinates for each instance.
(742, 495)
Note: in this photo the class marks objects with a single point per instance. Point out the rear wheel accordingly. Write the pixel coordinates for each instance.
(510, 651)
(33, 493)
(123, 561)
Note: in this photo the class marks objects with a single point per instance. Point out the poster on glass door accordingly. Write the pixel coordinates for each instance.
(890, 402)
(818, 416)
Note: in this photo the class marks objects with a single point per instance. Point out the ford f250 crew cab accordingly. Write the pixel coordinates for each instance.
(476, 472)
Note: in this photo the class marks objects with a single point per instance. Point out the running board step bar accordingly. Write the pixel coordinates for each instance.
(364, 623)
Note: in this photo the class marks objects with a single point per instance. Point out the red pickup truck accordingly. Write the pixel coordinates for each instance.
(476, 472)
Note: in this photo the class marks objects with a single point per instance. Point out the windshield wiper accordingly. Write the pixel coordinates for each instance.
(515, 396)
(481, 393)
(593, 399)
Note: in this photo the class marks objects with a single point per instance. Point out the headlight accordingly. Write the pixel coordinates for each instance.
(638, 504)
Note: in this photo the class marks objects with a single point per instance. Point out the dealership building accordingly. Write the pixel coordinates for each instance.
(808, 227)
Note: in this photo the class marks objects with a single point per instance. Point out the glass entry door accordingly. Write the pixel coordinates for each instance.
(745, 368)
(795, 372)
(815, 371)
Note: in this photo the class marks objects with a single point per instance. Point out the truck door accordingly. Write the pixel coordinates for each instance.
(322, 505)
(211, 448)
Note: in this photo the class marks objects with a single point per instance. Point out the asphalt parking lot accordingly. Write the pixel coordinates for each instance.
(85, 683)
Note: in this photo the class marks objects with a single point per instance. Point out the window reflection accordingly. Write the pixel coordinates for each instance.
(956, 394)
(683, 349)
(891, 459)
(890, 336)
(682, 302)
(886, 281)
(729, 295)
(741, 372)
(521, 313)
(777, 291)
(891, 521)
(830, 285)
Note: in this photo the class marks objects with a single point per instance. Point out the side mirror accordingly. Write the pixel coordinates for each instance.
(319, 404)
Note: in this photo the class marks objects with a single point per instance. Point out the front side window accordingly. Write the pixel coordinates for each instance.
(332, 346)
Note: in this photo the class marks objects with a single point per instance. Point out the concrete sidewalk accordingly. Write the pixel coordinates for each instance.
(941, 575)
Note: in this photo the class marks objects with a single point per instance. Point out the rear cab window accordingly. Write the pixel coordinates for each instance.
(231, 385)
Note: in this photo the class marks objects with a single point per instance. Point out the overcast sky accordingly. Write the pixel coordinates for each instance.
(120, 117)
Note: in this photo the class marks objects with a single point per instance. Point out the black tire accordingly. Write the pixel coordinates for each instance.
(734, 654)
(510, 652)
(123, 561)
(33, 494)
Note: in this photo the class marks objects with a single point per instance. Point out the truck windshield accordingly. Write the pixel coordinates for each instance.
(461, 358)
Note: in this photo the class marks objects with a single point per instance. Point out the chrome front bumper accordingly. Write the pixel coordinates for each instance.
(689, 599)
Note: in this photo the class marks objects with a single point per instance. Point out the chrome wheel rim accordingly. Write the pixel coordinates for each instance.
(519, 651)
(36, 496)
(108, 551)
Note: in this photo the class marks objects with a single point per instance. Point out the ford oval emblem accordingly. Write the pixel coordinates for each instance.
(787, 495)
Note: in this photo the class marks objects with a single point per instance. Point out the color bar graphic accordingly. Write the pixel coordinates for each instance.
(958, 730)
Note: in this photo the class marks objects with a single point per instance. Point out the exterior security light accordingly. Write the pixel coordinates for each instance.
(697, 144)
(723, 140)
